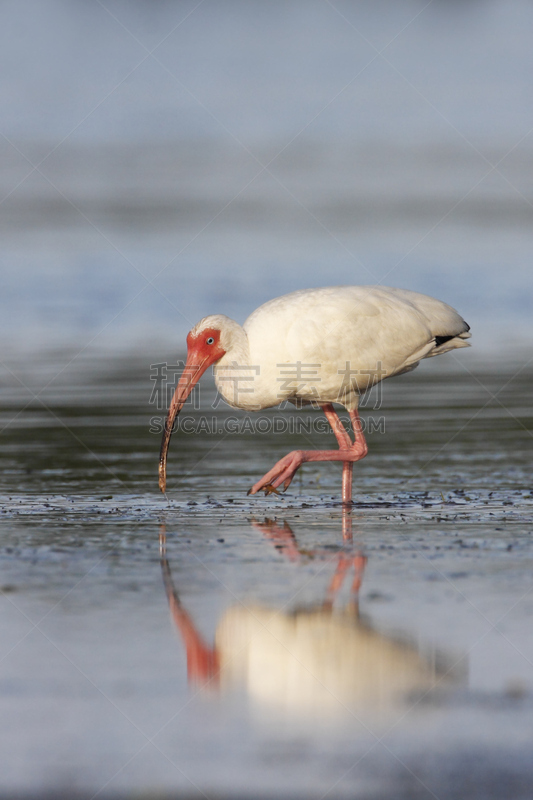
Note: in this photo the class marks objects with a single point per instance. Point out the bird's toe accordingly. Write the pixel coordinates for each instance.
(281, 473)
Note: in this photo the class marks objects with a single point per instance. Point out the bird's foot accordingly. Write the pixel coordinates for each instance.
(282, 473)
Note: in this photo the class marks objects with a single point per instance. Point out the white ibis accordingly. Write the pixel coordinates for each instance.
(319, 346)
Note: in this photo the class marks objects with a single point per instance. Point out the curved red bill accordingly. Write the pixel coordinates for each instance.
(190, 377)
(203, 351)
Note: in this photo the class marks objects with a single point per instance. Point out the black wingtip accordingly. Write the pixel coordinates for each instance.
(442, 339)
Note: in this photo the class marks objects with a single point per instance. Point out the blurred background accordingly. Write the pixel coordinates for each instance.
(161, 160)
(166, 159)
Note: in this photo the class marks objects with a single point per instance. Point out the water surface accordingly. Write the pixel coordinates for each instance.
(218, 644)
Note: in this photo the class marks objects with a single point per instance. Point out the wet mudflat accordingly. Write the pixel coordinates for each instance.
(211, 644)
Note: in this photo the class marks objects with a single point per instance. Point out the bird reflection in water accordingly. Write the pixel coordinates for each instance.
(325, 658)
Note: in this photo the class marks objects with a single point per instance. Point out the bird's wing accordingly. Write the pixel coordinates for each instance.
(371, 327)
(367, 326)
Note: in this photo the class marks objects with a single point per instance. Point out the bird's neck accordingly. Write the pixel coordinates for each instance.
(238, 351)
(235, 375)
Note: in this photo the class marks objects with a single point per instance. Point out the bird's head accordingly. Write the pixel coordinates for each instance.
(207, 342)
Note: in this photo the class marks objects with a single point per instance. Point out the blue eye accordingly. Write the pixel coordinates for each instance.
(210, 340)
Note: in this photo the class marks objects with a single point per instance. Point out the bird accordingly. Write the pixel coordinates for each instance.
(320, 346)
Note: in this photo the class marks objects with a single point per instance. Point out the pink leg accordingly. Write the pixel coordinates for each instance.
(344, 444)
(347, 480)
(341, 434)
(283, 472)
(347, 467)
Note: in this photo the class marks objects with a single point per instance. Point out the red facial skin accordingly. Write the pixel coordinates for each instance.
(201, 353)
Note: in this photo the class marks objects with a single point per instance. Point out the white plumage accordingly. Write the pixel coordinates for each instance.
(372, 328)
(323, 345)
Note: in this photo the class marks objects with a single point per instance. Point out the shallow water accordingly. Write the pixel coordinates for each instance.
(208, 643)
(214, 643)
